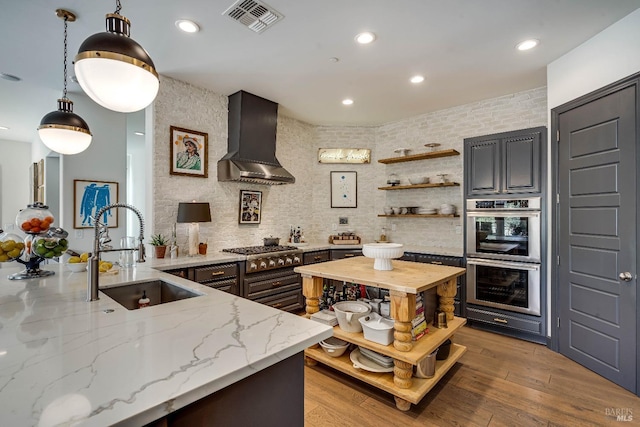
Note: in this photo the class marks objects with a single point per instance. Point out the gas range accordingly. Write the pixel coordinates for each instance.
(263, 258)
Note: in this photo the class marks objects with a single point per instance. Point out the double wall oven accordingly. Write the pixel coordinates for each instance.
(503, 253)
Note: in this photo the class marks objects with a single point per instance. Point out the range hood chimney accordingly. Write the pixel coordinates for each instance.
(251, 155)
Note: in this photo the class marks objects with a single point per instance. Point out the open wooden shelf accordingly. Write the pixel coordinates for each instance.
(421, 348)
(409, 187)
(384, 380)
(421, 156)
(419, 216)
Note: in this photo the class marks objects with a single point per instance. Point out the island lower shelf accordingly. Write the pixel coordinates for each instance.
(384, 381)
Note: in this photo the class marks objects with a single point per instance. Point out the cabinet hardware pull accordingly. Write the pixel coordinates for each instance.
(217, 273)
(277, 284)
(316, 258)
(277, 305)
(436, 262)
(348, 255)
(496, 319)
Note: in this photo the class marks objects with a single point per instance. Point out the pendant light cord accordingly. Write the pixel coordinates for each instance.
(118, 7)
(64, 92)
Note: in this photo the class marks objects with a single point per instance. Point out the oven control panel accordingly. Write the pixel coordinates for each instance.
(266, 262)
(531, 203)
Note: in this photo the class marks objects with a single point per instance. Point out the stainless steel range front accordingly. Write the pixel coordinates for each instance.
(269, 277)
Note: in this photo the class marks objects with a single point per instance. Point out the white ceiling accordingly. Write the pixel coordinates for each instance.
(464, 48)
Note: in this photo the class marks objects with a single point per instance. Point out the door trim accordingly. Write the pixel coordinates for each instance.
(630, 81)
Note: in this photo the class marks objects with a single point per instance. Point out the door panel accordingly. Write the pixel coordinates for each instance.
(597, 235)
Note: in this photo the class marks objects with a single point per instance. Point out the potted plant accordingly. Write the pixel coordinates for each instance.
(160, 243)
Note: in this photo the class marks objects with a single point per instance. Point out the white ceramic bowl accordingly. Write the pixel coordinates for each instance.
(388, 210)
(383, 253)
(348, 313)
(334, 347)
(418, 180)
(77, 267)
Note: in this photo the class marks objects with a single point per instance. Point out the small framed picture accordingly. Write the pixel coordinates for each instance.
(89, 197)
(344, 190)
(250, 207)
(189, 152)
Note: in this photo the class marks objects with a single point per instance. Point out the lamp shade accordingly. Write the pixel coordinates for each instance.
(194, 212)
(114, 70)
(63, 131)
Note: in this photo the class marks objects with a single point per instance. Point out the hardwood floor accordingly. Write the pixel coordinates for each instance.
(500, 381)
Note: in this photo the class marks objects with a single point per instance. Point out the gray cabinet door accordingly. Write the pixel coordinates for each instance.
(597, 226)
(522, 163)
(482, 158)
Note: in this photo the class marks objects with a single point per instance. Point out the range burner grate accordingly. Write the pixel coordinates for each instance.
(252, 250)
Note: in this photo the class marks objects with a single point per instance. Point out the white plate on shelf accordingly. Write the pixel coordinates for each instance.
(402, 151)
(361, 362)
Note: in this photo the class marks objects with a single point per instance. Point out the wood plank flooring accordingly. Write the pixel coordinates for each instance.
(500, 381)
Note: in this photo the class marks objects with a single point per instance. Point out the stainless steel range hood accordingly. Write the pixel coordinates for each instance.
(251, 155)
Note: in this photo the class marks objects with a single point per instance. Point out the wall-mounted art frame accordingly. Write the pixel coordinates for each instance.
(91, 196)
(250, 207)
(344, 189)
(189, 152)
(344, 155)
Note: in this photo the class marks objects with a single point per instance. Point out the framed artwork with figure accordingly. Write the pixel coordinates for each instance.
(250, 207)
(91, 196)
(189, 152)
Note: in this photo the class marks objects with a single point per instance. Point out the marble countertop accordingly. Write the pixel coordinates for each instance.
(67, 361)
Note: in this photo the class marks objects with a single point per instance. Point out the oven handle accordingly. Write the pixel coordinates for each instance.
(503, 214)
(506, 264)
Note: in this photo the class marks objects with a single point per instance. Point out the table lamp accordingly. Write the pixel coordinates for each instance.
(193, 213)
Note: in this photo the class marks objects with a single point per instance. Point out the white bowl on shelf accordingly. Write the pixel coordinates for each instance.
(415, 180)
(383, 253)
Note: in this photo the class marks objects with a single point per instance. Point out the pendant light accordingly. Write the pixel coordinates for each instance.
(114, 70)
(63, 131)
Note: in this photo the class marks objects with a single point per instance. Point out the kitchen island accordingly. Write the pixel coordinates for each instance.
(67, 361)
(404, 282)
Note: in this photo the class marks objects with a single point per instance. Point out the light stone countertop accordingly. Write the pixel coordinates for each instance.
(67, 361)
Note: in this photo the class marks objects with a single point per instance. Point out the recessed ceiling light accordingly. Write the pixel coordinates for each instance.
(187, 26)
(10, 77)
(4, 128)
(139, 133)
(365, 38)
(347, 101)
(527, 44)
(416, 79)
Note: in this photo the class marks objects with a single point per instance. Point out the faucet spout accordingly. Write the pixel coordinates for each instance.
(93, 271)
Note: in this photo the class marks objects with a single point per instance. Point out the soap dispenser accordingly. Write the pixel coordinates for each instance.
(144, 301)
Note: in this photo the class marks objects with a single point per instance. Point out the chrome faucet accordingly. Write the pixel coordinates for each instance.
(101, 237)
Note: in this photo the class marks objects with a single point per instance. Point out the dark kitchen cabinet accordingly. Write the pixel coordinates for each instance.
(223, 277)
(505, 163)
(345, 253)
(517, 325)
(316, 257)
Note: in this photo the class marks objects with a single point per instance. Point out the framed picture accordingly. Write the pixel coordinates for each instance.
(189, 152)
(344, 191)
(91, 196)
(250, 207)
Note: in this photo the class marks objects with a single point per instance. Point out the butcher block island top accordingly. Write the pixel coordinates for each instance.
(406, 276)
(404, 282)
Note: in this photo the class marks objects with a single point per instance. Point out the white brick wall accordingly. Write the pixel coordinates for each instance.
(307, 202)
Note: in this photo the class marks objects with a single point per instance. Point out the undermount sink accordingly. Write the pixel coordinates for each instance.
(158, 291)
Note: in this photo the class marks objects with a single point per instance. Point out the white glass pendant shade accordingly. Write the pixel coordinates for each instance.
(63, 131)
(114, 70)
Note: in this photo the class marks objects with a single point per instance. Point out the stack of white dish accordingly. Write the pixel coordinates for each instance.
(327, 317)
(334, 347)
(360, 361)
(426, 211)
(376, 357)
(447, 209)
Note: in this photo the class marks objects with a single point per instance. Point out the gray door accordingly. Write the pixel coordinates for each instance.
(597, 235)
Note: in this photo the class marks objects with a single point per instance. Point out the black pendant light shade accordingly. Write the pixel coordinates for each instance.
(63, 131)
(114, 70)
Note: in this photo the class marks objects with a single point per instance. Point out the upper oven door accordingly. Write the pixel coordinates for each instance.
(508, 235)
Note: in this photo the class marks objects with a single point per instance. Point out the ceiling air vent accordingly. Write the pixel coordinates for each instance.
(255, 15)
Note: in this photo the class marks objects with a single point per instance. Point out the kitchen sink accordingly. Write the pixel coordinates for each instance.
(158, 292)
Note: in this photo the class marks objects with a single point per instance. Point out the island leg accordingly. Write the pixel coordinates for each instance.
(312, 291)
(403, 310)
(447, 292)
(401, 404)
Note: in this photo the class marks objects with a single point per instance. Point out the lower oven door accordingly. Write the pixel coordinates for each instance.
(512, 286)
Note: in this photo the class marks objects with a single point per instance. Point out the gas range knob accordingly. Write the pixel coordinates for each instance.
(289, 261)
(253, 266)
(272, 263)
(296, 259)
(280, 261)
(263, 264)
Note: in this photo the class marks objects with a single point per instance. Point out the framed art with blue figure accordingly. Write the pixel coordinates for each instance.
(91, 196)
(189, 152)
